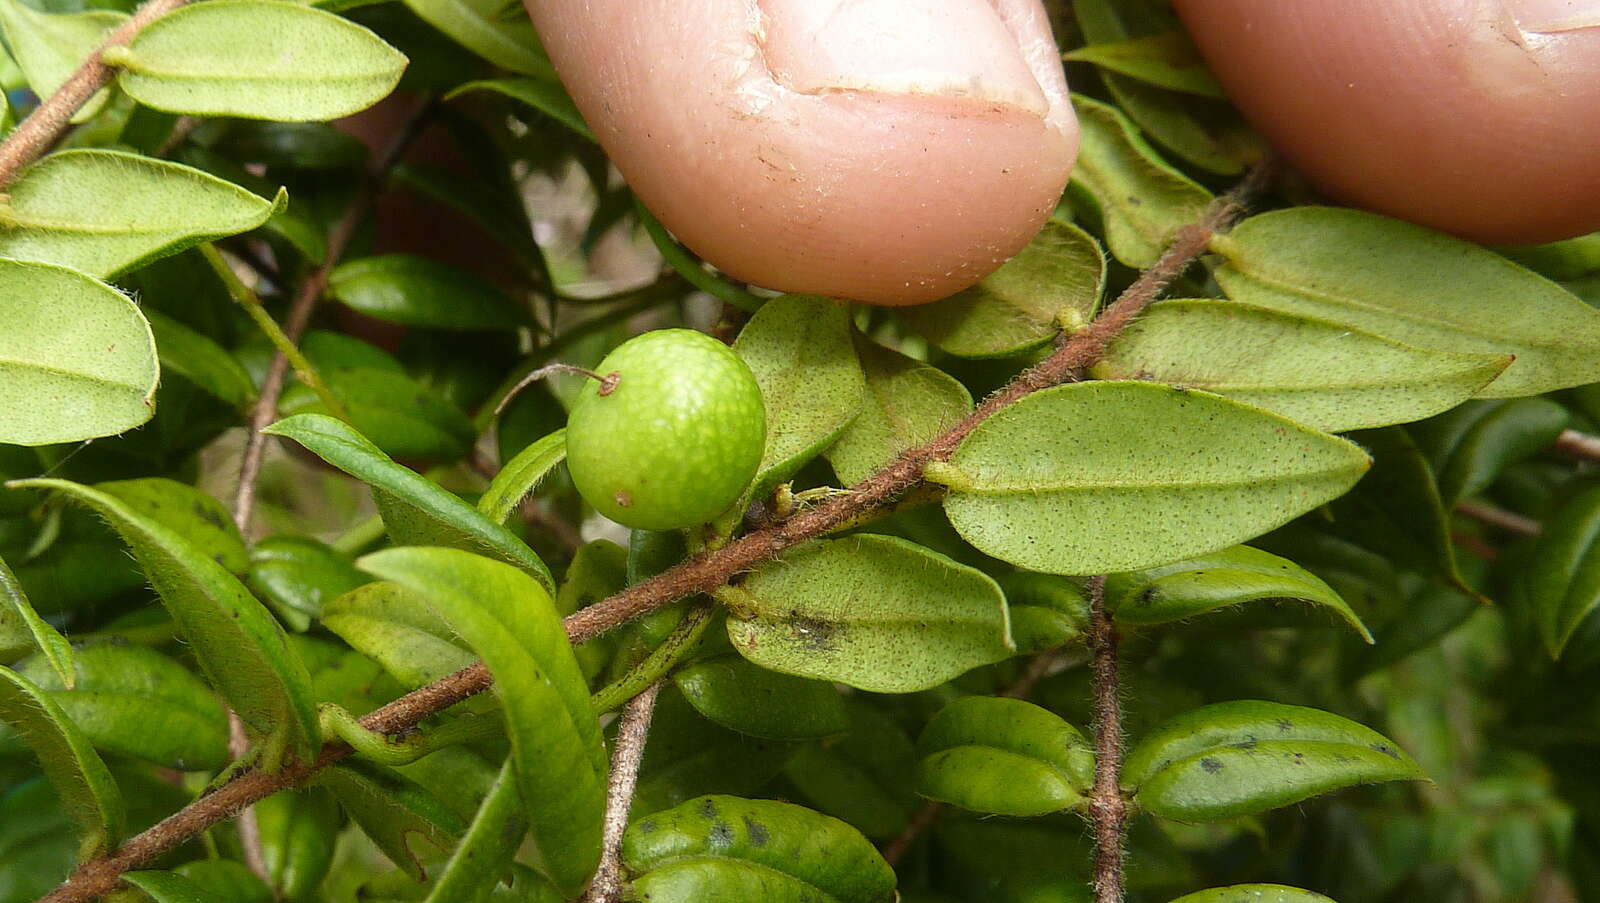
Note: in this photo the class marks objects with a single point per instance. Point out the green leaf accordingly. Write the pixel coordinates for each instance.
(799, 349)
(63, 379)
(509, 620)
(392, 811)
(81, 780)
(1052, 286)
(1143, 200)
(509, 43)
(22, 630)
(418, 291)
(1240, 758)
(1475, 443)
(1254, 893)
(727, 848)
(1563, 576)
(134, 701)
(866, 778)
(199, 359)
(543, 92)
(1168, 60)
(256, 59)
(1416, 286)
(751, 700)
(1317, 372)
(1005, 757)
(49, 47)
(401, 416)
(241, 649)
(105, 212)
(399, 631)
(171, 887)
(202, 521)
(299, 833)
(226, 879)
(1112, 476)
(907, 403)
(1176, 592)
(416, 510)
(1046, 610)
(297, 576)
(522, 476)
(875, 612)
(484, 854)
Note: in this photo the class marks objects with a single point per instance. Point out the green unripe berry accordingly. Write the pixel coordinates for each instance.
(676, 439)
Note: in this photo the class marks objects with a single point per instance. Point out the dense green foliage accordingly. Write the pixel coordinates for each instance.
(1357, 584)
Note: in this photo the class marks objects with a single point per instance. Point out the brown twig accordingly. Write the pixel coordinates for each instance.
(633, 728)
(305, 301)
(38, 133)
(702, 573)
(249, 826)
(920, 822)
(1107, 808)
(1510, 521)
(1578, 445)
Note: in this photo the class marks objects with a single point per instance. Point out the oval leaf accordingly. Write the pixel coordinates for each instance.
(80, 778)
(1240, 758)
(134, 701)
(418, 291)
(544, 94)
(1052, 285)
(416, 510)
(401, 416)
(257, 59)
(1047, 610)
(1143, 200)
(800, 351)
(1316, 372)
(66, 378)
(477, 25)
(199, 359)
(907, 403)
(874, 612)
(1073, 480)
(1175, 592)
(399, 631)
(1254, 893)
(1167, 60)
(105, 212)
(393, 811)
(297, 576)
(510, 621)
(242, 650)
(1416, 286)
(22, 630)
(1475, 443)
(171, 887)
(1563, 577)
(198, 518)
(1003, 756)
(727, 848)
(522, 476)
(751, 700)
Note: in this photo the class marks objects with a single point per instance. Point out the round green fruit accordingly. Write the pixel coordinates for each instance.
(678, 437)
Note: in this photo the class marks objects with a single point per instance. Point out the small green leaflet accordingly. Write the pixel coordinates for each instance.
(1003, 756)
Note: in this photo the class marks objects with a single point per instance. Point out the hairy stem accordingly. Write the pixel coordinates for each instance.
(1578, 445)
(34, 136)
(305, 300)
(1107, 808)
(700, 574)
(633, 728)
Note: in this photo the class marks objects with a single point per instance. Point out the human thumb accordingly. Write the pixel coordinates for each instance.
(888, 151)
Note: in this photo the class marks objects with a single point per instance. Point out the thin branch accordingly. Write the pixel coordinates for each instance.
(633, 728)
(249, 826)
(1578, 445)
(1107, 807)
(1509, 521)
(35, 135)
(702, 573)
(921, 820)
(305, 300)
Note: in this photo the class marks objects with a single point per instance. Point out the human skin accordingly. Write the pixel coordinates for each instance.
(1476, 117)
(888, 151)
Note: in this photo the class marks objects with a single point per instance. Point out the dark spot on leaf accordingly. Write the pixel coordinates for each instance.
(648, 826)
(1285, 725)
(708, 808)
(756, 831)
(1149, 596)
(624, 498)
(210, 517)
(721, 835)
(1246, 744)
(814, 635)
(1386, 749)
(1211, 766)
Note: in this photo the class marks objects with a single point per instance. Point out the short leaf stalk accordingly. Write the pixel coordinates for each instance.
(633, 728)
(1108, 810)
